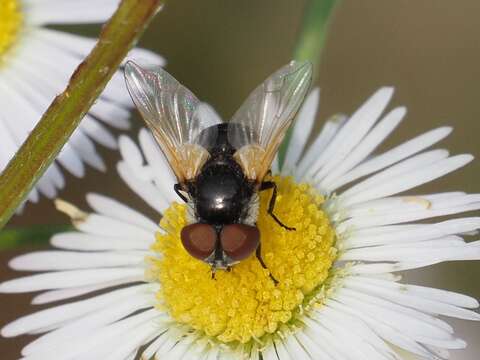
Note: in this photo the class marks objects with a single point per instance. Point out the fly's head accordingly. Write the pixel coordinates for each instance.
(220, 246)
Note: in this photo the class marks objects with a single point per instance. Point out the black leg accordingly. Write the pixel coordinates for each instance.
(271, 205)
(178, 189)
(259, 257)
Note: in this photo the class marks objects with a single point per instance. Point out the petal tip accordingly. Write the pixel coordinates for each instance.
(7, 332)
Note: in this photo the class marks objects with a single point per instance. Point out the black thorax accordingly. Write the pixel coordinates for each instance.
(221, 191)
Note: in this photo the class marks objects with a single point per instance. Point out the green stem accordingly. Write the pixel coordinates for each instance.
(312, 36)
(43, 144)
(310, 43)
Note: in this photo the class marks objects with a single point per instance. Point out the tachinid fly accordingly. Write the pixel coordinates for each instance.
(220, 167)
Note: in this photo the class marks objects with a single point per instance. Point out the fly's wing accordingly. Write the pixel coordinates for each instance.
(259, 126)
(175, 116)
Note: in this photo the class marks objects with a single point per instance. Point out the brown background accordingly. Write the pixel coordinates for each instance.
(428, 50)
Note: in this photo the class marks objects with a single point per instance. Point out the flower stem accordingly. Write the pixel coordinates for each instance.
(45, 141)
(310, 43)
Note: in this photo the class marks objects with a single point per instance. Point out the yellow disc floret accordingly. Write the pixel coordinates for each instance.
(245, 303)
(10, 24)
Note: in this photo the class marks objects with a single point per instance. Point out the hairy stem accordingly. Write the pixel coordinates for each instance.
(43, 144)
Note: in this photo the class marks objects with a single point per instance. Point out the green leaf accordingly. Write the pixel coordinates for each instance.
(37, 235)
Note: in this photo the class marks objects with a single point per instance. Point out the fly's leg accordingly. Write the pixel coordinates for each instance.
(271, 205)
(259, 257)
(178, 189)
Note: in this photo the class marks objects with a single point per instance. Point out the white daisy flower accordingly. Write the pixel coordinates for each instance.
(35, 65)
(339, 294)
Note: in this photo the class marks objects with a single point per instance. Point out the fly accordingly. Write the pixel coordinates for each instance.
(220, 167)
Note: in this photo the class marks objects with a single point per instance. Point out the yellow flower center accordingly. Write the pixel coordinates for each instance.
(245, 304)
(11, 20)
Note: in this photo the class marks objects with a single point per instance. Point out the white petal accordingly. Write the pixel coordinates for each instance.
(66, 312)
(353, 131)
(87, 242)
(470, 203)
(404, 234)
(106, 226)
(63, 294)
(130, 152)
(60, 12)
(394, 155)
(360, 348)
(295, 349)
(357, 327)
(69, 349)
(67, 260)
(440, 295)
(72, 49)
(53, 78)
(40, 100)
(55, 175)
(180, 349)
(302, 129)
(94, 320)
(412, 322)
(408, 203)
(341, 349)
(162, 174)
(68, 279)
(111, 113)
(404, 168)
(145, 189)
(315, 347)
(331, 127)
(171, 339)
(281, 351)
(389, 333)
(98, 132)
(378, 289)
(379, 133)
(396, 184)
(412, 254)
(151, 349)
(113, 208)
(131, 342)
(269, 353)
(85, 148)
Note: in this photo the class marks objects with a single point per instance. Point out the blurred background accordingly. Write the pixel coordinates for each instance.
(221, 49)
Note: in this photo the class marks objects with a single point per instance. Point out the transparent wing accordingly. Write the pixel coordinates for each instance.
(175, 117)
(259, 126)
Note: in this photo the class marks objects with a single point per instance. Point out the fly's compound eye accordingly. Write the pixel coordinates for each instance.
(239, 240)
(199, 240)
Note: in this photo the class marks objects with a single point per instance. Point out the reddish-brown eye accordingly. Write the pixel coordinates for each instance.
(239, 240)
(199, 240)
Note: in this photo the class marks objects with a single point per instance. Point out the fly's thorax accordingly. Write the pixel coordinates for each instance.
(215, 140)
